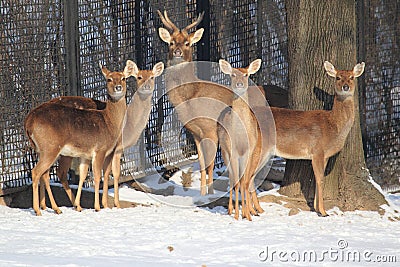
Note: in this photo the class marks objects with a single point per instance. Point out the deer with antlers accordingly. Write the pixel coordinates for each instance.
(317, 135)
(246, 145)
(191, 96)
(136, 118)
(55, 130)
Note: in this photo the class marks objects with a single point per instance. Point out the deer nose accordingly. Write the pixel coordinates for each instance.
(118, 88)
(239, 85)
(178, 53)
(345, 88)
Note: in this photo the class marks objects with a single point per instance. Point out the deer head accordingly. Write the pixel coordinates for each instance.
(145, 78)
(345, 79)
(180, 41)
(116, 81)
(239, 76)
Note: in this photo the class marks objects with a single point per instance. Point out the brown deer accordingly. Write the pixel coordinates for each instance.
(317, 135)
(55, 130)
(64, 162)
(241, 139)
(137, 115)
(190, 96)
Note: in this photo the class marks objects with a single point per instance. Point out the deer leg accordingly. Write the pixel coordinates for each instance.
(243, 195)
(42, 193)
(210, 181)
(83, 169)
(233, 169)
(210, 151)
(46, 179)
(97, 164)
(230, 205)
(63, 165)
(248, 181)
(203, 189)
(107, 171)
(254, 197)
(237, 200)
(116, 170)
(248, 206)
(318, 164)
(43, 165)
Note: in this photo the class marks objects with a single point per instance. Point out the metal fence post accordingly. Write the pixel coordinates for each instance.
(72, 46)
(203, 47)
(360, 13)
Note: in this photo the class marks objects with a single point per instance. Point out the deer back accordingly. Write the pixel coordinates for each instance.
(80, 132)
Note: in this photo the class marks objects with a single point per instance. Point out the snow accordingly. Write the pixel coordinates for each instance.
(172, 231)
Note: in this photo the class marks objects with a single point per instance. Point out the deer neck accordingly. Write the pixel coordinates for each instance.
(178, 74)
(137, 115)
(141, 108)
(240, 106)
(115, 110)
(343, 113)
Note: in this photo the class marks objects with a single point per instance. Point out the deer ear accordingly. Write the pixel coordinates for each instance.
(196, 36)
(158, 69)
(104, 70)
(358, 69)
(164, 35)
(254, 66)
(225, 66)
(330, 69)
(131, 69)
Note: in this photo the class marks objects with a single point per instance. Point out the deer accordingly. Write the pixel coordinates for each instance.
(137, 115)
(189, 95)
(241, 139)
(317, 135)
(88, 134)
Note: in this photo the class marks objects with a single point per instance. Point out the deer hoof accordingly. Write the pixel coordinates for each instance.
(324, 214)
(57, 211)
(78, 208)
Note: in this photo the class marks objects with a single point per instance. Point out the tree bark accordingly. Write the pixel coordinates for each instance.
(319, 31)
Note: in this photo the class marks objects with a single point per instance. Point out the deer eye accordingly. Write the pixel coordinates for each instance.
(337, 78)
(139, 77)
(171, 43)
(233, 75)
(351, 77)
(123, 79)
(109, 80)
(187, 43)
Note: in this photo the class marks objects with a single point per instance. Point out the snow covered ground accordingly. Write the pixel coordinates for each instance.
(171, 231)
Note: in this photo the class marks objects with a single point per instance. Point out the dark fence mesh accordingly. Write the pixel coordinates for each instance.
(53, 48)
(379, 31)
(32, 69)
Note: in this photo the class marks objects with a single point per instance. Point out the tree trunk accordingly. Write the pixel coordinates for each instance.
(319, 31)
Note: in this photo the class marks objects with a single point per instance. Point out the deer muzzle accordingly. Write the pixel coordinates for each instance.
(178, 52)
(345, 88)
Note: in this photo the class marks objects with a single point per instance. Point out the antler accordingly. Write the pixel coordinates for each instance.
(195, 23)
(167, 22)
(171, 26)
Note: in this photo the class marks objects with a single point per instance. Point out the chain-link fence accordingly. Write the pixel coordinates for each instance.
(52, 48)
(378, 34)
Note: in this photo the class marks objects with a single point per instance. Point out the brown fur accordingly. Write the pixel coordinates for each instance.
(192, 99)
(241, 139)
(318, 134)
(55, 129)
(137, 115)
